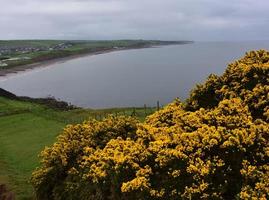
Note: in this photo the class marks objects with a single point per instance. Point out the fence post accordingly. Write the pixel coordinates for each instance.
(134, 113)
(158, 105)
(145, 108)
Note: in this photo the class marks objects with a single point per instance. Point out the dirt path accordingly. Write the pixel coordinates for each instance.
(5, 194)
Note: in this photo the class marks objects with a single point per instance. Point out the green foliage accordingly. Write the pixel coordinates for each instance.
(214, 147)
(62, 159)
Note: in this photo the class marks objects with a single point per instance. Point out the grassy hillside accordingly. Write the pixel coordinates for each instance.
(27, 127)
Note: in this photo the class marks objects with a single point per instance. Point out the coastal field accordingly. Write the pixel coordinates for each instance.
(27, 127)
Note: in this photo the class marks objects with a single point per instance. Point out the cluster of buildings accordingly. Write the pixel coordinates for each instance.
(2, 64)
(61, 46)
(11, 50)
(12, 53)
(7, 50)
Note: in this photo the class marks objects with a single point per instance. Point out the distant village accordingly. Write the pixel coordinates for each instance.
(15, 53)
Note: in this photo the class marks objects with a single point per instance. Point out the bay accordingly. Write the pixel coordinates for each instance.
(131, 77)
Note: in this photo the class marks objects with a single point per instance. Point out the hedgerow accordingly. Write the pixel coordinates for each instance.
(214, 146)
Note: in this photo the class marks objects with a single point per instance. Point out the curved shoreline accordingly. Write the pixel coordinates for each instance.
(25, 67)
(22, 68)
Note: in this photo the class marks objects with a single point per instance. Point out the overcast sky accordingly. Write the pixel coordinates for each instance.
(135, 19)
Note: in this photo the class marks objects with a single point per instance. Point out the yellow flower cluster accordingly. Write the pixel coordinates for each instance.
(62, 161)
(215, 148)
(246, 78)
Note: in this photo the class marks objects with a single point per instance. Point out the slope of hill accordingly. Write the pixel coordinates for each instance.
(28, 125)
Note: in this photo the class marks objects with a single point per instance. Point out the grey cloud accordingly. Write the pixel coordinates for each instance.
(147, 19)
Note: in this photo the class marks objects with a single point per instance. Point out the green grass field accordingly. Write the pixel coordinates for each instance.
(26, 128)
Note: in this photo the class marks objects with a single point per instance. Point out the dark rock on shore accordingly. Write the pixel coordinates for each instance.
(7, 94)
(50, 102)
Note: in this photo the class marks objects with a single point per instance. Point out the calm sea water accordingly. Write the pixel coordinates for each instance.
(131, 77)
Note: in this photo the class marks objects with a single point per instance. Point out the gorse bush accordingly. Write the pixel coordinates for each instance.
(247, 78)
(60, 161)
(213, 147)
